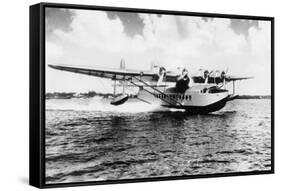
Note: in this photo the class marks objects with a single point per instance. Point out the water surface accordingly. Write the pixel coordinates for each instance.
(90, 140)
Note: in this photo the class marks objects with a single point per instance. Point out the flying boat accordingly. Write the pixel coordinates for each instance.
(196, 94)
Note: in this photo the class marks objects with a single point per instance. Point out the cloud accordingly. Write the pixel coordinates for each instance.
(132, 22)
(173, 41)
(241, 26)
(58, 18)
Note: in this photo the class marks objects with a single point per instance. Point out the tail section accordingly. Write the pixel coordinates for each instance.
(122, 64)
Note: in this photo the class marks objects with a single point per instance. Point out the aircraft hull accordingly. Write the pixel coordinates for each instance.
(202, 109)
(192, 102)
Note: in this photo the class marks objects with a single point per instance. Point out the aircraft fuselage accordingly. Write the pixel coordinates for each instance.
(197, 99)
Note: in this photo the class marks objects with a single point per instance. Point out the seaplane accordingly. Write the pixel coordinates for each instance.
(208, 92)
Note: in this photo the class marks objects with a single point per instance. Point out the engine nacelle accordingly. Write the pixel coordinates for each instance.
(162, 71)
(206, 74)
(223, 75)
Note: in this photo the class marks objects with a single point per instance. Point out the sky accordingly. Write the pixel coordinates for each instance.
(103, 38)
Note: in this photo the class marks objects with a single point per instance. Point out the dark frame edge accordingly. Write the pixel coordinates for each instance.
(272, 96)
(37, 90)
(155, 11)
(35, 128)
(159, 179)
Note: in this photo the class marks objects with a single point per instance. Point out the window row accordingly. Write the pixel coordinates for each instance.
(174, 96)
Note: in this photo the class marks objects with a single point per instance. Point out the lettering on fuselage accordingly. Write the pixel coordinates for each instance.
(174, 96)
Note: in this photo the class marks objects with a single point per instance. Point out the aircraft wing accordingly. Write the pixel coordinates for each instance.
(218, 79)
(114, 74)
(235, 78)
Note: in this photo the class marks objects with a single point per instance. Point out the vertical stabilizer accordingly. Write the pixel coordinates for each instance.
(122, 64)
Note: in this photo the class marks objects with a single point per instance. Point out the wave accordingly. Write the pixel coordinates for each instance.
(103, 104)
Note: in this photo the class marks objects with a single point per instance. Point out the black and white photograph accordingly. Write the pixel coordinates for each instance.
(136, 95)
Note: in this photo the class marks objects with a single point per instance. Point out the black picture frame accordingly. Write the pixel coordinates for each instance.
(37, 93)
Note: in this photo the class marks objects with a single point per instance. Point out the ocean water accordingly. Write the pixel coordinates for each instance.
(90, 140)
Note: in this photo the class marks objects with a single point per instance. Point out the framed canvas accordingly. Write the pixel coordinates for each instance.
(121, 95)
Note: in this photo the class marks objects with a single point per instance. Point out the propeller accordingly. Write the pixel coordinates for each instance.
(161, 75)
(206, 74)
(223, 77)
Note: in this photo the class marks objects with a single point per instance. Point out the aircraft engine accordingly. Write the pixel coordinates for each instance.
(184, 73)
(162, 71)
(206, 74)
(161, 75)
(223, 75)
